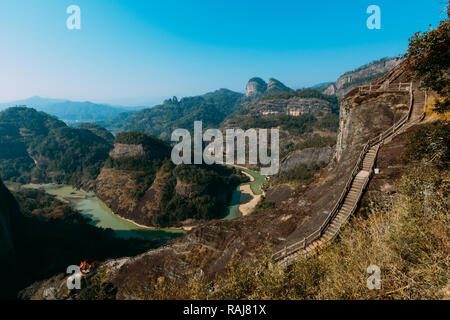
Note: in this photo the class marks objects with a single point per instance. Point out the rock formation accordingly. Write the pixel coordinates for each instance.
(307, 157)
(255, 87)
(127, 151)
(360, 76)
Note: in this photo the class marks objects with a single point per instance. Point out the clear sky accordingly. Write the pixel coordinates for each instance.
(138, 50)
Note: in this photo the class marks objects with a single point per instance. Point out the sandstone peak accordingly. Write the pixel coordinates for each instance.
(255, 87)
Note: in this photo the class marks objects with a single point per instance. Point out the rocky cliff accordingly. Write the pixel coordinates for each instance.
(294, 106)
(122, 150)
(308, 156)
(360, 76)
(257, 87)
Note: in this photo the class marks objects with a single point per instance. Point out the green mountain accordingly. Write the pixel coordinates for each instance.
(36, 147)
(212, 108)
(98, 130)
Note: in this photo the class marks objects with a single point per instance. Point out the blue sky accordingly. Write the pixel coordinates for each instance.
(139, 51)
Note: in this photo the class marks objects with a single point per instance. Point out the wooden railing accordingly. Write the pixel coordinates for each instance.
(401, 86)
(302, 244)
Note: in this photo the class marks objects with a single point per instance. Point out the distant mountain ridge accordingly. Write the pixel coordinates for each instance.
(70, 111)
(360, 76)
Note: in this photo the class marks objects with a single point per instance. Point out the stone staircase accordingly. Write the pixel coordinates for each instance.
(355, 187)
(337, 221)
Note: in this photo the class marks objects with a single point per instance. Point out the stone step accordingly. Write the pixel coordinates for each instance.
(352, 197)
(356, 185)
(334, 229)
(340, 220)
(348, 206)
(327, 236)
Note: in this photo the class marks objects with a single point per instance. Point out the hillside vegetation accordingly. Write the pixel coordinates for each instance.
(160, 193)
(159, 121)
(428, 57)
(36, 147)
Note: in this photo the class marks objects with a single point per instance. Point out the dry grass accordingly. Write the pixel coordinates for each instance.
(406, 235)
(431, 114)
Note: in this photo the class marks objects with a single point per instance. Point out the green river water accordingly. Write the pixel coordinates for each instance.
(255, 185)
(103, 217)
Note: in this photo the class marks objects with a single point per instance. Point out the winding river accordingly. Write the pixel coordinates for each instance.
(101, 216)
(239, 197)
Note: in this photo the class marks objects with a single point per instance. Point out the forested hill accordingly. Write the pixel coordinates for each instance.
(36, 147)
(140, 182)
(211, 108)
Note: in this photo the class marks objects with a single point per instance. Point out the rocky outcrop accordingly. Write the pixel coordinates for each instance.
(307, 157)
(117, 189)
(255, 87)
(127, 151)
(366, 115)
(374, 69)
(294, 106)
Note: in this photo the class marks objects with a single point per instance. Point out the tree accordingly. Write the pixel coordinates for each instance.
(428, 56)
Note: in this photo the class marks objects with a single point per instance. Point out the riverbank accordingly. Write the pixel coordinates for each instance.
(247, 195)
(92, 207)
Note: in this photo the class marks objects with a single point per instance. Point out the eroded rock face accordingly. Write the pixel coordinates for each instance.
(307, 157)
(208, 248)
(348, 81)
(116, 188)
(255, 87)
(366, 116)
(127, 151)
(371, 70)
(294, 106)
